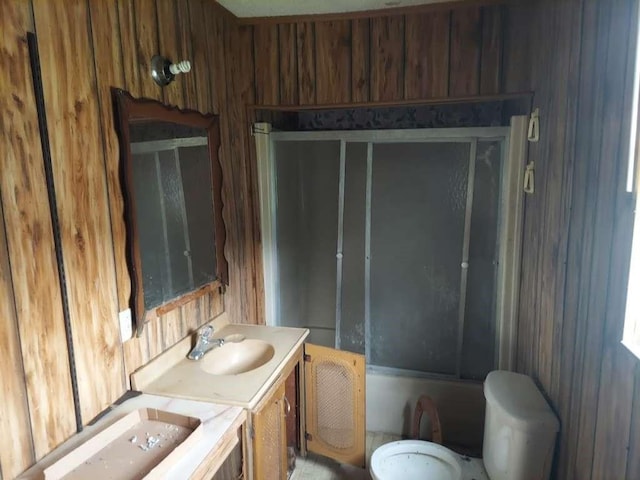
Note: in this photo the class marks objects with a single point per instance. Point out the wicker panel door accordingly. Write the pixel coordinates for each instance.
(270, 441)
(335, 408)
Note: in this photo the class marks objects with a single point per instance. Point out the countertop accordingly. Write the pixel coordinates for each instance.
(172, 374)
(220, 424)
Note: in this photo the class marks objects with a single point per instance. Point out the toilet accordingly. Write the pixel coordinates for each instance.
(519, 438)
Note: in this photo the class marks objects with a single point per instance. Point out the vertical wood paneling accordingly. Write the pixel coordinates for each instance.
(109, 72)
(466, 34)
(199, 57)
(81, 189)
(288, 64)
(517, 45)
(305, 46)
(427, 53)
(387, 58)
(169, 47)
(333, 62)
(187, 81)
(173, 328)
(146, 46)
(267, 65)
(360, 60)
(16, 449)
(127, 21)
(240, 89)
(491, 55)
(578, 229)
(32, 260)
(615, 399)
(633, 461)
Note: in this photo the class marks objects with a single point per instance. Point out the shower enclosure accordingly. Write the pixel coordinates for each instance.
(401, 245)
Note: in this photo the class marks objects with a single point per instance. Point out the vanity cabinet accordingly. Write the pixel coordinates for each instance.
(329, 412)
(270, 436)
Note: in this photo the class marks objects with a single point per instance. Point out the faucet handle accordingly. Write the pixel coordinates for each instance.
(206, 332)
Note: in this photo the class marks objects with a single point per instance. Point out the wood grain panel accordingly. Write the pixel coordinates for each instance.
(16, 449)
(491, 55)
(305, 46)
(127, 23)
(360, 56)
(169, 47)
(333, 62)
(214, 34)
(387, 58)
(136, 354)
(615, 398)
(288, 64)
(517, 45)
(194, 313)
(427, 52)
(146, 46)
(240, 88)
(32, 260)
(81, 189)
(466, 34)
(230, 190)
(602, 225)
(267, 66)
(109, 70)
(580, 251)
(173, 327)
(200, 57)
(633, 461)
(187, 81)
(578, 230)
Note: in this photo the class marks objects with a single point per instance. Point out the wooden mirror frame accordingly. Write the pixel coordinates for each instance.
(131, 110)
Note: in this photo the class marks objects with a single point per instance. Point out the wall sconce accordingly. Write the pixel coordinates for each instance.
(163, 71)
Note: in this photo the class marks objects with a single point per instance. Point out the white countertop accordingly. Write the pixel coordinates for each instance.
(172, 374)
(217, 422)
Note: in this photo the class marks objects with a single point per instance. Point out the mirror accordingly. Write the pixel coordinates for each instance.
(172, 186)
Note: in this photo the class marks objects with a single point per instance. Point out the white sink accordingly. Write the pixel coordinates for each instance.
(235, 358)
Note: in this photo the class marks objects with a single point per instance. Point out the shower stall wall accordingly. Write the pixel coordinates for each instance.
(398, 244)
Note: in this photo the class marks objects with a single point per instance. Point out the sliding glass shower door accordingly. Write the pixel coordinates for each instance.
(387, 244)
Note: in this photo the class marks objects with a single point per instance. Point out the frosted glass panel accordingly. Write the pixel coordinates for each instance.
(195, 166)
(418, 206)
(307, 176)
(175, 221)
(480, 325)
(150, 228)
(352, 313)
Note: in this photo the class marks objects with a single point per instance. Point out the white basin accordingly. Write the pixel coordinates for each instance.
(415, 460)
(235, 358)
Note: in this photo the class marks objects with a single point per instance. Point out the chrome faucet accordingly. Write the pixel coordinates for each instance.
(205, 343)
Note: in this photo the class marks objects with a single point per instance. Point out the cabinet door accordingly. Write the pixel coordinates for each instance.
(335, 408)
(270, 439)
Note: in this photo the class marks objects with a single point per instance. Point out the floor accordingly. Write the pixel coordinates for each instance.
(319, 468)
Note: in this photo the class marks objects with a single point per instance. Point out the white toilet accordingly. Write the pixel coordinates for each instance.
(519, 438)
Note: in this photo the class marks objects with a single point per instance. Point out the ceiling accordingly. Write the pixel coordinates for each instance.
(273, 8)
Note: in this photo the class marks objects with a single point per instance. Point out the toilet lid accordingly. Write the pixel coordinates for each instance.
(415, 460)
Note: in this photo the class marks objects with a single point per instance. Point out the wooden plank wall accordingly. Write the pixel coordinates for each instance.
(578, 228)
(439, 53)
(87, 47)
(575, 55)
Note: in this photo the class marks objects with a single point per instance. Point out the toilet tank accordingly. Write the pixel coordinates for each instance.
(520, 429)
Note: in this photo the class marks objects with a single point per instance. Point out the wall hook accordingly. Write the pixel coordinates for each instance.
(164, 72)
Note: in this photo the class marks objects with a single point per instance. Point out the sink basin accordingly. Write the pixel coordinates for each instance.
(235, 358)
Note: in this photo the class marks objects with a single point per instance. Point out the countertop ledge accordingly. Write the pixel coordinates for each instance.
(172, 374)
(218, 421)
